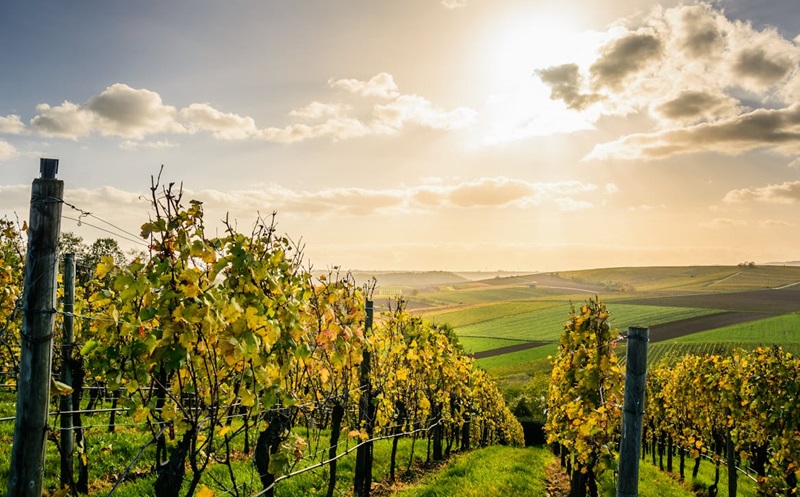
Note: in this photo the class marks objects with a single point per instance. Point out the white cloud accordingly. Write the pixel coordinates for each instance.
(381, 85)
(723, 222)
(418, 110)
(775, 223)
(454, 4)
(319, 110)
(137, 114)
(11, 124)
(7, 151)
(222, 125)
(135, 145)
(118, 111)
(692, 69)
(784, 193)
(778, 129)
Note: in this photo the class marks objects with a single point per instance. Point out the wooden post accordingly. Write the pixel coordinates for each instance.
(39, 300)
(363, 470)
(67, 345)
(633, 410)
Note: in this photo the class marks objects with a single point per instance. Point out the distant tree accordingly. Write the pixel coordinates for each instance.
(88, 256)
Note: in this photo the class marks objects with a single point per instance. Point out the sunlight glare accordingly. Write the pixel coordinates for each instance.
(520, 104)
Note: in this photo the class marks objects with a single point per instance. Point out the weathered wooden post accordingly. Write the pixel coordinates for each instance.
(363, 471)
(67, 345)
(38, 319)
(633, 410)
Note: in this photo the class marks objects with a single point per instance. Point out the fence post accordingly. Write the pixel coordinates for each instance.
(67, 345)
(36, 348)
(363, 471)
(633, 410)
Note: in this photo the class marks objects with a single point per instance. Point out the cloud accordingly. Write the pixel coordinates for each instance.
(565, 84)
(418, 110)
(697, 105)
(710, 83)
(118, 111)
(136, 145)
(137, 114)
(698, 30)
(319, 110)
(454, 4)
(778, 129)
(7, 151)
(11, 125)
(762, 67)
(775, 223)
(624, 57)
(723, 222)
(222, 125)
(784, 193)
(381, 85)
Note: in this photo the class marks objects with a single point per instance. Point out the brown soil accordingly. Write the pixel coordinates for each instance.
(508, 349)
(675, 329)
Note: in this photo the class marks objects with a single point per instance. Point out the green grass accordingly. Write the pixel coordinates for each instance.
(479, 344)
(783, 329)
(479, 313)
(547, 324)
(692, 278)
(493, 471)
(745, 487)
(488, 294)
(517, 362)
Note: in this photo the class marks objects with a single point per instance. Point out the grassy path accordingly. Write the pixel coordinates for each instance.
(510, 472)
(493, 471)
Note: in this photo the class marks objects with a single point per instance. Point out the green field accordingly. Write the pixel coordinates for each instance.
(479, 313)
(480, 344)
(517, 360)
(547, 324)
(486, 294)
(779, 329)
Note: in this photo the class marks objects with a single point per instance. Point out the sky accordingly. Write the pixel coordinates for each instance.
(420, 134)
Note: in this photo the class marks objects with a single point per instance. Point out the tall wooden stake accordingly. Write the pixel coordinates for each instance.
(67, 344)
(39, 301)
(363, 470)
(633, 410)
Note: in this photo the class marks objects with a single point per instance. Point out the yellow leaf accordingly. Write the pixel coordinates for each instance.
(205, 492)
(248, 398)
(58, 388)
(106, 264)
(224, 430)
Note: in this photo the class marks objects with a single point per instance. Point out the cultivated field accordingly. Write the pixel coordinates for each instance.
(510, 323)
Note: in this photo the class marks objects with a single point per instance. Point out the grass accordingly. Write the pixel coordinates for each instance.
(745, 487)
(779, 330)
(488, 294)
(479, 313)
(479, 344)
(492, 471)
(517, 362)
(547, 324)
(783, 329)
(692, 278)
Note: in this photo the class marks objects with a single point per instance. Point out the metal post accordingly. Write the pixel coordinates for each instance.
(633, 410)
(67, 345)
(36, 349)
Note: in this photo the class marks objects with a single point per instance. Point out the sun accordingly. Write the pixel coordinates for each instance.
(519, 104)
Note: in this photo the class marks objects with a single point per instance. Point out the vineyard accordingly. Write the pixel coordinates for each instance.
(222, 365)
(235, 369)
